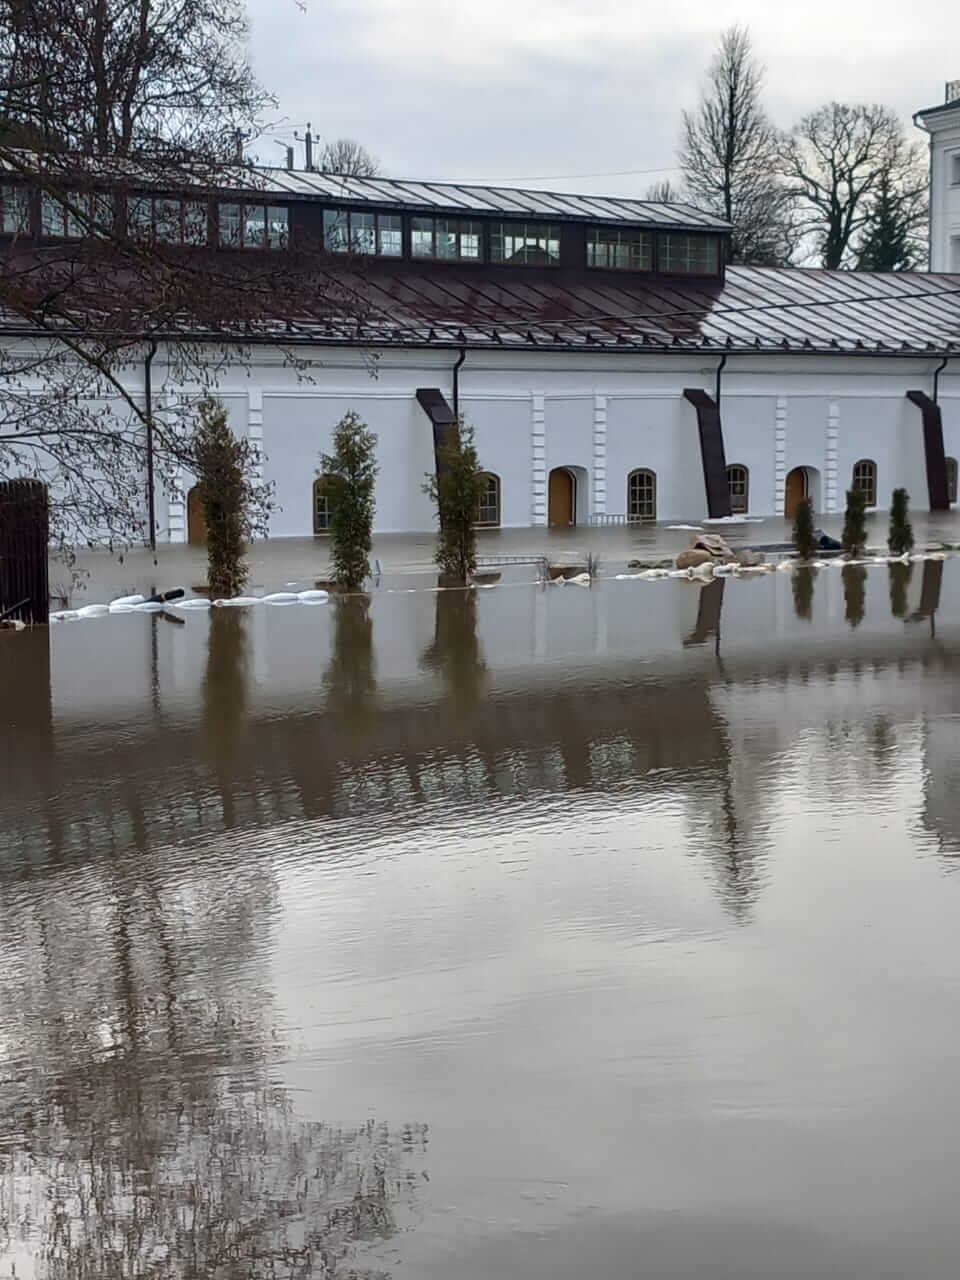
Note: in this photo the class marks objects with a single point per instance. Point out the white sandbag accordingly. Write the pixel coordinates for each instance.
(196, 602)
(237, 602)
(580, 580)
(65, 615)
(93, 611)
(651, 574)
(126, 600)
(313, 597)
(785, 566)
(149, 606)
(281, 597)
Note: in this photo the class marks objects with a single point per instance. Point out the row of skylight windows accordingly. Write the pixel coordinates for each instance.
(256, 225)
(532, 244)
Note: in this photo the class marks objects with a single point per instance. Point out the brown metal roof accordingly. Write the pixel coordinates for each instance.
(755, 308)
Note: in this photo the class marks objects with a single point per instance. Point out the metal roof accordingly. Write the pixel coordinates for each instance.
(754, 309)
(451, 197)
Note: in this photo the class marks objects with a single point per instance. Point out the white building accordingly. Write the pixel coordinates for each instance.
(943, 125)
(613, 366)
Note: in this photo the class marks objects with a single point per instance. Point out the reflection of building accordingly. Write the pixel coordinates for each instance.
(549, 691)
(614, 367)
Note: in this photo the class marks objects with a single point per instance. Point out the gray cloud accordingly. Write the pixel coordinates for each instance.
(551, 88)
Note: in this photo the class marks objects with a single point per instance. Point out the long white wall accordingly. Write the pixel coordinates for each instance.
(601, 416)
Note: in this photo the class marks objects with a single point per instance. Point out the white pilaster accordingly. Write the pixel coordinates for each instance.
(830, 496)
(177, 500)
(255, 429)
(599, 455)
(780, 455)
(538, 460)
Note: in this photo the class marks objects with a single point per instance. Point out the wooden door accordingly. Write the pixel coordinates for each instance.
(196, 518)
(796, 490)
(560, 498)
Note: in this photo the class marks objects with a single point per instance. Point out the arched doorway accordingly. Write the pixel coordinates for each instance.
(561, 498)
(196, 518)
(802, 482)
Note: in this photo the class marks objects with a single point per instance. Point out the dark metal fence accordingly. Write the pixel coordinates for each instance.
(24, 535)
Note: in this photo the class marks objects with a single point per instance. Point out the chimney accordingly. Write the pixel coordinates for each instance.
(290, 159)
(952, 91)
(308, 140)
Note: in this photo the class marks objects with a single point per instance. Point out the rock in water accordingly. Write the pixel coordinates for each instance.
(693, 558)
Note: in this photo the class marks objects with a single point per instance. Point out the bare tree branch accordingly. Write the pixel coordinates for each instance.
(851, 168)
(728, 155)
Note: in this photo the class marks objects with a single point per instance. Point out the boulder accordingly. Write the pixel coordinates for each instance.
(693, 558)
(712, 543)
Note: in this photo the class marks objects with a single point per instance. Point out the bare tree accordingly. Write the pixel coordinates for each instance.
(666, 191)
(851, 168)
(729, 152)
(125, 77)
(346, 156)
(117, 97)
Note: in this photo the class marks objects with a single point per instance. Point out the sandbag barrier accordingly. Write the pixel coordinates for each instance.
(176, 600)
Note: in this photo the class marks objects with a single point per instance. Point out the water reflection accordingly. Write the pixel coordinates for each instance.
(900, 576)
(930, 589)
(803, 581)
(709, 613)
(225, 697)
(351, 677)
(141, 1130)
(854, 593)
(537, 837)
(454, 653)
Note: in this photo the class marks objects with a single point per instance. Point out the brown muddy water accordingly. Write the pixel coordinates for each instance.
(533, 932)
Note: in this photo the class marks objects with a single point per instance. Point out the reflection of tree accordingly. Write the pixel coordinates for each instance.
(900, 575)
(455, 653)
(854, 593)
(225, 695)
(142, 1133)
(803, 582)
(351, 676)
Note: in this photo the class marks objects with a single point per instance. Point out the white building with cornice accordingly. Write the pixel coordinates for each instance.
(943, 125)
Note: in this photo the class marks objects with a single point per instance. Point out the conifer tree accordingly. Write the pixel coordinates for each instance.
(855, 523)
(804, 539)
(349, 475)
(456, 490)
(900, 539)
(234, 507)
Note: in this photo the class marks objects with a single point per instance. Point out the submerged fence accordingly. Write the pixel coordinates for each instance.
(24, 535)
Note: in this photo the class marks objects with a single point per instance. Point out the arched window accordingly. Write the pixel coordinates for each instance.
(952, 479)
(488, 505)
(865, 479)
(641, 496)
(738, 482)
(321, 506)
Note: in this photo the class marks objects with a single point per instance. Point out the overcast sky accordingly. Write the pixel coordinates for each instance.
(540, 92)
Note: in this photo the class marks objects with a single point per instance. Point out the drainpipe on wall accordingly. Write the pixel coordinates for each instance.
(148, 413)
(720, 368)
(936, 377)
(456, 382)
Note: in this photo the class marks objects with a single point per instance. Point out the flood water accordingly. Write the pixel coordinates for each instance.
(529, 932)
